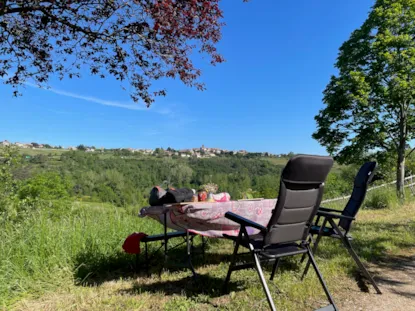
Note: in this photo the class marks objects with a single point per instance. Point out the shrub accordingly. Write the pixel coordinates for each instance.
(45, 186)
(336, 186)
(8, 186)
(379, 199)
(39, 159)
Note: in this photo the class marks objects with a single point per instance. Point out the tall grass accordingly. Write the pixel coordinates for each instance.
(44, 253)
(54, 252)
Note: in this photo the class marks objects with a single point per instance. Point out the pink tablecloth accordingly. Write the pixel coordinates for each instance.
(208, 218)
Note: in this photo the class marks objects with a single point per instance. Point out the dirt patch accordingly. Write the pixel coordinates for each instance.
(396, 279)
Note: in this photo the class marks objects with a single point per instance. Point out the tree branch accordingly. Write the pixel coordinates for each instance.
(394, 141)
(3, 4)
(5, 11)
(410, 152)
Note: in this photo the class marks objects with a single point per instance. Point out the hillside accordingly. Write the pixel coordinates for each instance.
(126, 180)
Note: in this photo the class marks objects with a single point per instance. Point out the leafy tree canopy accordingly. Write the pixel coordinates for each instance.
(370, 102)
(81, 147)
(137, 41)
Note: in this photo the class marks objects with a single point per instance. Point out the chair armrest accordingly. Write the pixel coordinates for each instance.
(325, 209)
(331, 215)
(244, 222)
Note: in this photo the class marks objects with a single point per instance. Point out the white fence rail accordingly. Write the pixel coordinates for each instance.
(409, 180)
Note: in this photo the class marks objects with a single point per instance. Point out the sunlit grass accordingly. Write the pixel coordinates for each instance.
(75, 262)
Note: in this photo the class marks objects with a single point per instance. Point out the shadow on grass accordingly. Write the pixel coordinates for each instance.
(394, 265)
(371, 244)
(203, 284)
(372, 241)
(94, 268)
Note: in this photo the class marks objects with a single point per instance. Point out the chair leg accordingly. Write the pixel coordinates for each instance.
(320, 277)
(262, 278)
(352, 253)
(319, 236)
(232, 264)
(203, 246)
(136, 263)
(274, 268)
(307, 266)
(147, 263)
(362, 268)
(309, 240)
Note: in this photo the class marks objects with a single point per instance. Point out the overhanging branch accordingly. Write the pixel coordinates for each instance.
(4, 10)
(2, 6)
(410, 152)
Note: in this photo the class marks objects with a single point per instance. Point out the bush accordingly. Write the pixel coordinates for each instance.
(39, 159)
(379, 199)
(336, 186)
(8, 186)
(45, 186)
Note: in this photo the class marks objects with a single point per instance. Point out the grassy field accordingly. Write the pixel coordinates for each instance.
(44, 151)
(71, 259)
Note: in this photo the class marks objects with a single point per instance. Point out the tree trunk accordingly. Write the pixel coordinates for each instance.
(400, 174)
(400, 169)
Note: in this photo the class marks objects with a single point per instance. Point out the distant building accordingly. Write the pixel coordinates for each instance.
(185, 151)
(23, 145)
(5, 143)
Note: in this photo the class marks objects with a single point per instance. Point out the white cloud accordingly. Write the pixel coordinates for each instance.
(100, 101)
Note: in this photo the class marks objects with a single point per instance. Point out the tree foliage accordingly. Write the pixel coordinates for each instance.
(8, 157)
(45, 186)
(137, 41)
(27, 185)
(370, 102)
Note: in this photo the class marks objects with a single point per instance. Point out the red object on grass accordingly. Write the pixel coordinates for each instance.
(132, 243)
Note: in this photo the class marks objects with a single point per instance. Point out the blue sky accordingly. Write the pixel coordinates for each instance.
(280, 56)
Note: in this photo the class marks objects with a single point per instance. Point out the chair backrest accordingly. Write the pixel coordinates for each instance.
(361, 183)
(301, 191)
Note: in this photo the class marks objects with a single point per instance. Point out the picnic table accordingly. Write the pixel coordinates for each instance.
(206, 219)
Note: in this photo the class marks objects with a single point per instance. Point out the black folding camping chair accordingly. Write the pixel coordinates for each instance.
(301, 190)
(340, 230)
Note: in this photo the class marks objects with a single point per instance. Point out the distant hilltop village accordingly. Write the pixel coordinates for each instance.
(202, 152)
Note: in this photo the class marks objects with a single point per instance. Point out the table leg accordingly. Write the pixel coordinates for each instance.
(189, 254)
(166, 240)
